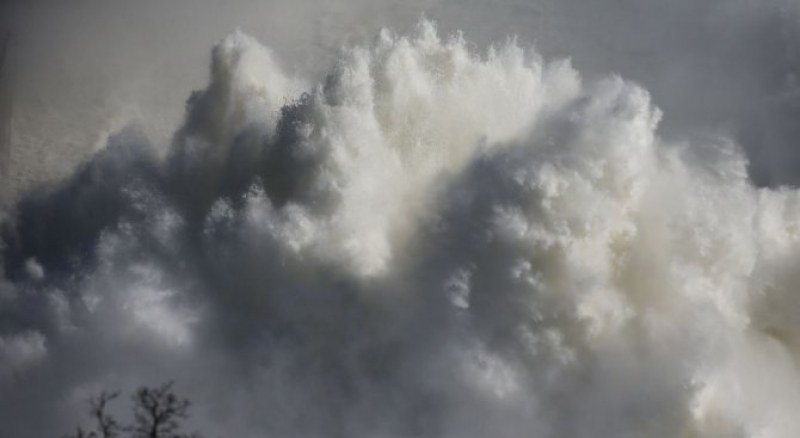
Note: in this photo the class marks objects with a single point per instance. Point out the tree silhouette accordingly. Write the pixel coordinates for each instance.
(157, 413)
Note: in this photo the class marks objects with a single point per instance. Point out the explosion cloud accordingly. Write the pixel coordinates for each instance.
(431, 242)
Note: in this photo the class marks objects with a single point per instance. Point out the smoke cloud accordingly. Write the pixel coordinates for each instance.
(431, 241)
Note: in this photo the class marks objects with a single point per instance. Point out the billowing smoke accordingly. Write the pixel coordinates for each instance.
(430, 242)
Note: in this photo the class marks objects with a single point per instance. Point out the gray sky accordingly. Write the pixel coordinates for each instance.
(85, 68)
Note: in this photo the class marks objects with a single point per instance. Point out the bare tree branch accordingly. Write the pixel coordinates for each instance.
(107, 426)
(157, 413)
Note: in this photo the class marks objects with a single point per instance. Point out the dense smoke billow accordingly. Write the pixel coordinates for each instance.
(435, 240)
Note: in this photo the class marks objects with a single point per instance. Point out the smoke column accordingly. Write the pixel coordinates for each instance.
(431, 241)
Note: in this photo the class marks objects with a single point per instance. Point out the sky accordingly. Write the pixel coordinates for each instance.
(433, 218)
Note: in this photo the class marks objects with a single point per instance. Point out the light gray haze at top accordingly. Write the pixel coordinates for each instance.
(85, 68)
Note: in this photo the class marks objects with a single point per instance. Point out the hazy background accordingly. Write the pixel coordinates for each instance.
(80, 69)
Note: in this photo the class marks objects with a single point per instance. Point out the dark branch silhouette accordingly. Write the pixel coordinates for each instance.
(157, 413)
(107, 426)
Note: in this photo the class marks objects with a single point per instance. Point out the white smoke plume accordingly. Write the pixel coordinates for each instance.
(430, 242)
